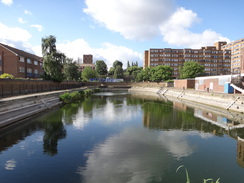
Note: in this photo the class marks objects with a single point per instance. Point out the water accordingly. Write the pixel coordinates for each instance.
(117, 138)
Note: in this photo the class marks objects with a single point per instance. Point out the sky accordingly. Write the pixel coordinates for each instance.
(119, 29)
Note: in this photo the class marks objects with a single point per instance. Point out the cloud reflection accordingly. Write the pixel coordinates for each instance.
(135, 155)
(10, 164)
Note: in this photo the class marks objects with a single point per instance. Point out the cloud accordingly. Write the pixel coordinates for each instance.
(38, 27)
(7, 2)
(143, 19)
(9, 34)
(176, 31)
(21, 20)
(27, 12)
(109, 52)
(137, 19)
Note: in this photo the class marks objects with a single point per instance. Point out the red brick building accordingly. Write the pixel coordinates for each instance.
(19, 63)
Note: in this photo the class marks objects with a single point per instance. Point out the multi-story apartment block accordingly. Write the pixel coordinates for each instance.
(237, 55)
(19, 63)
(215, 60)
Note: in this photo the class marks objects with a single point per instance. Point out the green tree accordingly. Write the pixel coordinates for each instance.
(133, 71)
(88, 73)
(101, 67)
(118, 72)
(117, 63)
(144, 75)
(71, 70)
(49, 45)
(128, 64)
(52, 60)
(111, 71)
(191, 69)
(161, 72)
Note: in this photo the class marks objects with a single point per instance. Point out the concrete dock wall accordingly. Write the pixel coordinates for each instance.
(14, 109)
(232, 102)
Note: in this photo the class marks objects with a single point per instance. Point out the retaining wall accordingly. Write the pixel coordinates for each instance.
(14, 109)
(232, 102)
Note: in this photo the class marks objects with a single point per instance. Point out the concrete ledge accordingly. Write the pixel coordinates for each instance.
(232, 102)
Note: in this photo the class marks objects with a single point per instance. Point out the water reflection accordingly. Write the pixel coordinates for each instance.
(118, 138)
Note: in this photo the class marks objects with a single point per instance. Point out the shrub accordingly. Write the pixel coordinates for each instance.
(6, 76)
(65, 97)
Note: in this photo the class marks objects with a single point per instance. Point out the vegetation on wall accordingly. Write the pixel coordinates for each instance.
(6, 76)
(76, 95)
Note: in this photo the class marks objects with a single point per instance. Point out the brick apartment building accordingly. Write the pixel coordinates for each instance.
(215, 60)
(19, 63)
(237, 55)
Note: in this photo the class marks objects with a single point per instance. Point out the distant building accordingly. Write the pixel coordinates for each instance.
(215, 60)
(19, 63)
(237, 55)
(87, 62)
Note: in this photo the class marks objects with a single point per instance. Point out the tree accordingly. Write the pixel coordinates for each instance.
(161, 72)
(128, 64)
(111, 71)
(48, 45)
(118, 72)
(52, 60)
(117, 63)
(191, 69)
(71, 70)
(101, 67)
(88, 73)
(144, 75)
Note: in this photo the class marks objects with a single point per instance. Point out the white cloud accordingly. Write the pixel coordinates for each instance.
(137, 19)
(38, 27)
(109, 52)
(21, 20)
(176, 31)
(9, 34)
(7, 2)
(27, 12)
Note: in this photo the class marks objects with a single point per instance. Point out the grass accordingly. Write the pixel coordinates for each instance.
(209, 180)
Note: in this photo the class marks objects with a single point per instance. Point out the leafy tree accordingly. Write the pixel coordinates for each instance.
(118, 72)
(111, 71)
(101, 67)
(191, 69)
(49, 45)
(71, 70)
(52, 59)
(161, 72)
(117, 63)
(53, 66)
(128, 64)
(144, 75)
(133, 71)
(88, 73)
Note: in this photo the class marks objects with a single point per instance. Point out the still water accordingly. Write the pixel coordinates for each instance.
(118, 138)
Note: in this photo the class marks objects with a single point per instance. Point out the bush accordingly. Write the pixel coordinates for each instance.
(6, 76)
(65, 97)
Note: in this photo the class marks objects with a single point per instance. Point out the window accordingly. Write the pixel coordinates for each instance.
(35, 71)
(21, 59)
(28, 61)
(29, 70)
(35, 62)
(40, 64)
(21, 69)
(1, 60)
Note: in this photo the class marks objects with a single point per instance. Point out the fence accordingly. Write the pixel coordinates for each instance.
(11, 87)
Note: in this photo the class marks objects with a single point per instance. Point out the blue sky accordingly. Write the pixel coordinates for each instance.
(119, 29)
